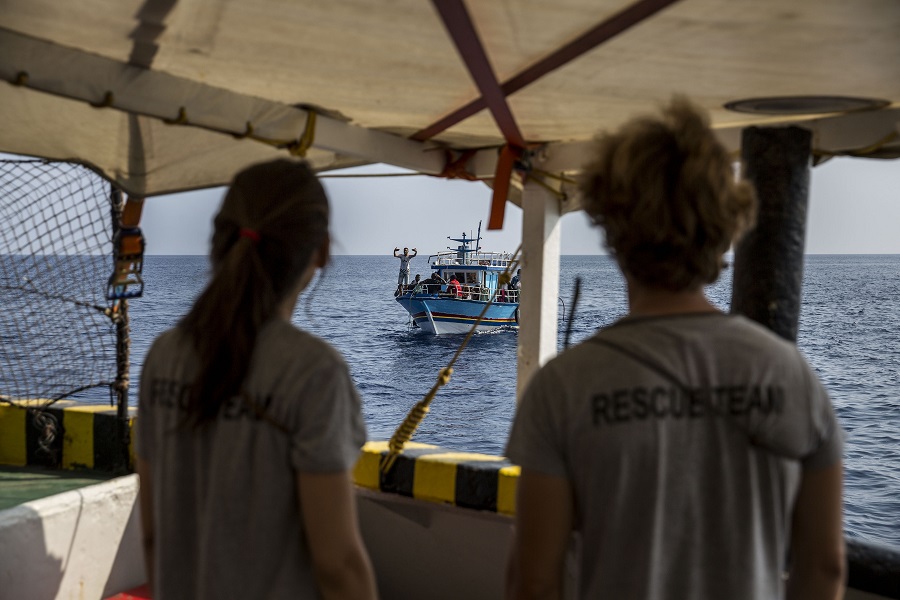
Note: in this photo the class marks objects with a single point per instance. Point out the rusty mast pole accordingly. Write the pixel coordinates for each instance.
(768, 273)
(120, 319)
(768, 261)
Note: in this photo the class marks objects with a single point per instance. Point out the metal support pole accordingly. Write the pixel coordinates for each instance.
(540, 282)
(119, 316)
(768, 273)
(768, 262)
(123, 363)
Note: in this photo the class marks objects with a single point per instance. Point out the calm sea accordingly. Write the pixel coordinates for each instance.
(849, 331)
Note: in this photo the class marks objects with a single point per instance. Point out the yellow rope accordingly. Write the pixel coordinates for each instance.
(108, 100)
(559, 194)
(826, 154)
(559, 177)
(861, 152)
(409, 425)
(302, 146)
(248, 132)
(181, 119)
(298, 147)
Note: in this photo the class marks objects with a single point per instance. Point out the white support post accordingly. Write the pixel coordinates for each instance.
(540, 282)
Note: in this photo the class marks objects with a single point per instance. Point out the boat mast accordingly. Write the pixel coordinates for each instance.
(463, 250)
(478, 239)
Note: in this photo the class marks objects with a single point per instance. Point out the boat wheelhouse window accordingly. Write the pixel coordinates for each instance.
(464, 277)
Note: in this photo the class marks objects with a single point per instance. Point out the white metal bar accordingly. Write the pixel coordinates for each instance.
(97, 80)
(430, 317)
(831, 133)
(540, 282)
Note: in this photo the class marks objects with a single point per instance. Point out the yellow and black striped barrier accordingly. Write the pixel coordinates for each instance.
(85, 437)
(433, 474)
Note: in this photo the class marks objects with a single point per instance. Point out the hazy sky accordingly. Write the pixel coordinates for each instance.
(854, 209)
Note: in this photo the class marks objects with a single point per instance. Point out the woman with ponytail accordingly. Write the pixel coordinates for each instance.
(695, 452)
(247, 426)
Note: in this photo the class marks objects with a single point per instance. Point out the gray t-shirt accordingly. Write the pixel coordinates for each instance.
(685, 439)
(404, 261)
(226, 507)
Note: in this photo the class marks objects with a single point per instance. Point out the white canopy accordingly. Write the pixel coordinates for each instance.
(176, 80)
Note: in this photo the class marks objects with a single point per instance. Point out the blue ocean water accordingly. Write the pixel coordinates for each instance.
(849, 331)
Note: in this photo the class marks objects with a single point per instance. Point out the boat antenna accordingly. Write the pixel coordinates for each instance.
(478, 239)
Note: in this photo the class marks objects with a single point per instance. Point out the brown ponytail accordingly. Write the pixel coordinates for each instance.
(273, 220)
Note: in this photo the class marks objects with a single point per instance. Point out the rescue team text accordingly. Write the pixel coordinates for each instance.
(173, 394)
(639, 403)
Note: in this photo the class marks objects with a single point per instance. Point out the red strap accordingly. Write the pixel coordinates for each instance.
(611, 27)
(462, 31)
(502, 178)
(456, 169)
(138, 593)
(131, 214)
(250, 234)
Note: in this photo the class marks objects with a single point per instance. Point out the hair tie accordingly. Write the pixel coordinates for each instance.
(250, 234)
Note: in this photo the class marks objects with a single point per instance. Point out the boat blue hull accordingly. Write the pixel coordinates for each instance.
(452, 315)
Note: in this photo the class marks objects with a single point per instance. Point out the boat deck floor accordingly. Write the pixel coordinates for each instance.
(23, 484)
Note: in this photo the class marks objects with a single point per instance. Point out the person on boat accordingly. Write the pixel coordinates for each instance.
(455, 288)
(405, 258)
(248, 427)
(514, 283)
(695, 452)
(417, 284)
(434, 283)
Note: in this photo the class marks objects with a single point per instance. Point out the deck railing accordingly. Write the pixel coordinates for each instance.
(454, 258)
(469, 292)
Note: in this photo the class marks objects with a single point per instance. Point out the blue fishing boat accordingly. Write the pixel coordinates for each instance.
(463, 282)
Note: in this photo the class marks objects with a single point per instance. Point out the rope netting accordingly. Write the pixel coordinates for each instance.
(57, 329)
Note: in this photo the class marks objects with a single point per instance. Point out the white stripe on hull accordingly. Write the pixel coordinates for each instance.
(450, 327)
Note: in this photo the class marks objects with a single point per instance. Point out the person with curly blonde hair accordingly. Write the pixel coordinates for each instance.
(695, 453)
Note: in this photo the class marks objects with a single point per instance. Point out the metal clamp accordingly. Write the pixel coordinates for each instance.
(128, 255)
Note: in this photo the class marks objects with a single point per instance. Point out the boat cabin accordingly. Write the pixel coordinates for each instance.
(478, 283)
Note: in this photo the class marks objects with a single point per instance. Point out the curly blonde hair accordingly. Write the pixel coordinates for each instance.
(663, 190)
